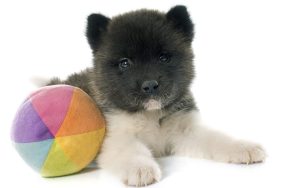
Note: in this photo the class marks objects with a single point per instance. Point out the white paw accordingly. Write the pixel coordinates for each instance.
(142, 173)
(242, 152)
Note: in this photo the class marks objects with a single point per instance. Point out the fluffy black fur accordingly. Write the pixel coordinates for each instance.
(96, 27)
(181, 20)
(140, 37)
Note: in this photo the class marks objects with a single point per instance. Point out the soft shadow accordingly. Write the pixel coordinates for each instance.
(90, 168)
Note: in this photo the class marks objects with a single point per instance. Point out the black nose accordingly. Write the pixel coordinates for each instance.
(150, 87)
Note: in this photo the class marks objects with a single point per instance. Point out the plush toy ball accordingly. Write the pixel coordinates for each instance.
(58, 130)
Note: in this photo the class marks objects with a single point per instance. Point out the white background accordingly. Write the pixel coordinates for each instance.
(238, 86)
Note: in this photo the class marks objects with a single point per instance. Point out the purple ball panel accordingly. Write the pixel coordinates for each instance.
(28, 126)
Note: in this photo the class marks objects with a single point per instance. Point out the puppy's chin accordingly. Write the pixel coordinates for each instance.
(152, 104)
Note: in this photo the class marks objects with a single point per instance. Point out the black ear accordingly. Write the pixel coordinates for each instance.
(180, 18)
(96, 26)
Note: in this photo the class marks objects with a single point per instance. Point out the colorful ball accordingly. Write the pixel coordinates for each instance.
(58, 130)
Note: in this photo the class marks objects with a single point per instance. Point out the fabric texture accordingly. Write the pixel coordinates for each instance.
(58, 130)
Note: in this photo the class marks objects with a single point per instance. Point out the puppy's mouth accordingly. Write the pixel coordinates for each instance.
(152, 104)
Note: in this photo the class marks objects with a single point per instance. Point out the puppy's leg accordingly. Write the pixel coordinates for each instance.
(191, 139)
(125, 156)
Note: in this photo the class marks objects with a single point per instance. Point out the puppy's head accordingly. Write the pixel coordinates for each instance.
(143, 59)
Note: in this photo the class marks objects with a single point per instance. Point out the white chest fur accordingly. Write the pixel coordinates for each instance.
(144, 126)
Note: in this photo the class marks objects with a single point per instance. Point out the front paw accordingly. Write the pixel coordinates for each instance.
(142, 173)
(242, 152)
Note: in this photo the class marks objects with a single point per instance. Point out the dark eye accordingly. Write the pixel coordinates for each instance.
(124, 63)
(164, 57)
